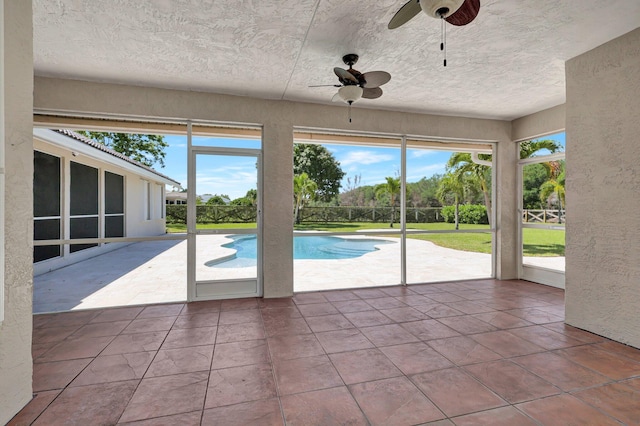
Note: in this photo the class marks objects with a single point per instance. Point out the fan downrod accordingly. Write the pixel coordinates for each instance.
(350, 59)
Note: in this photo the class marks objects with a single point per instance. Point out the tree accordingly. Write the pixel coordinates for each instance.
(462, 165)
(451, 185)
(554, 185)
(304, 189)
(321, 167)
(529, 149)
(146, 149)
(218, 200)
(390, 188)
(533, 176)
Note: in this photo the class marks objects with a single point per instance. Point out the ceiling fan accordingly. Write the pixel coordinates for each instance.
(354, 84)
(455, 12)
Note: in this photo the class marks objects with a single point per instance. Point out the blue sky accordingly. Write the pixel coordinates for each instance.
(233, 176)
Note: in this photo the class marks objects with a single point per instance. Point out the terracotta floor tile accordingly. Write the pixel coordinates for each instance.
(438, 310)
(66, 319)
(414, 358)
(352, 306)
(560, 371)
(469, 307)
(563, 410)
(235, 385)
(144, 325)
(512, 382)
(466, 324)
(394, 401)
(306, 374)
(502, 320)
(239, 332)
(506, 344)
(386, 303)
(207, 319)
(258, 413)
(70, 348)
(617, 400)
(503, 416)
(621, 349)
(185, 337)
(100, 404)
(414, 300)
(182, 360)
(328, 323)
(239, 304)
(575, 333)
(279, 314)
(397, 291)
(291, 347)
(429, 329)
(535, 316)
(363, 366)
(139, 342)
(240, 317)
(369, 293)
(52, 334)
(343, 340)
(201, 307)
(604, 362)
(463, 350)
(114, 368)
(388, 335)
(34, 408)
(333, 406)
(278, 326)
(39, 349)
(444, 422)
(406, 314)
(236, 354)
(156, 311)
(545, 338)
(276, 302)
(444, 297)
(167, 395)
(118, 314)
(367, 318)
(101, 329)
(317, 309)
(339, 295)
(305, 298)
(634, 383)
(185, 419)
(456, 392)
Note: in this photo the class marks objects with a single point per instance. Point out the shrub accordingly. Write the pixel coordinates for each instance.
(468, 213)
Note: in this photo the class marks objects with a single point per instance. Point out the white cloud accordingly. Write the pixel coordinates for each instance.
(418, 153)
(364, 157)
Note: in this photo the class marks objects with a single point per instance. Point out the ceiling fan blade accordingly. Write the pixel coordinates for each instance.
(326, 85)
(336, 98)
(344, 75)
(376, 78)
(404, 15)
(465, 14)
(371, 92)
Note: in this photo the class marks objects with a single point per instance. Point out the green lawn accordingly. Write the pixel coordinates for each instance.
(537, 242)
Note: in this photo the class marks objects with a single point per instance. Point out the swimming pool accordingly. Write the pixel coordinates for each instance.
(315, 247)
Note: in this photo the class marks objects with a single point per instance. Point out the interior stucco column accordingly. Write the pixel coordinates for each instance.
(506, 207)
(277, 209)
(16, 127)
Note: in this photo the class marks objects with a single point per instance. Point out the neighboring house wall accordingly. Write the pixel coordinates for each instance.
(603, 187)
(143, 205)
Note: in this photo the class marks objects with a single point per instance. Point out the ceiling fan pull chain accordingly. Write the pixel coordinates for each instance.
(349, 112)
(443, 38)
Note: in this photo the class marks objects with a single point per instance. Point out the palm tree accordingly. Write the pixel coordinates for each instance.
(304, 189)
(554, 185)
(462, 166)
(451, 185)
(391, 188)
(529, 148)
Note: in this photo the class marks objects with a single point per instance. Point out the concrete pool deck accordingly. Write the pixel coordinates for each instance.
(155, 272)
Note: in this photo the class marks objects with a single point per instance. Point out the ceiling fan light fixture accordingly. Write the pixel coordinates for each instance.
(350, 93)
(440, 8)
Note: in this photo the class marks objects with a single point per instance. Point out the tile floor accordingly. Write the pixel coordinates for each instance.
(465, 353)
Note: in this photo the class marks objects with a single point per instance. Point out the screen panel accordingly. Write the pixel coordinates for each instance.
(113, 193)
(83, 227)
(47, 229)
(84, 189)
(46, 185)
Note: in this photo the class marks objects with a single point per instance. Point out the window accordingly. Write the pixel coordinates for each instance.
(147, 197)
(113, 205)
(84, 204)
(160, 200)
(46, 204)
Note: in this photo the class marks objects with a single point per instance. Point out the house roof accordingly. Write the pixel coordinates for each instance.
(90, 142)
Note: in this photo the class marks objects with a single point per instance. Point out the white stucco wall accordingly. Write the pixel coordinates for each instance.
(136, 223)
(16, 83)
(603, 190)
(278, 119)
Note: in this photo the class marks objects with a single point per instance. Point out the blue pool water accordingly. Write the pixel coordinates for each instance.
(316, 247)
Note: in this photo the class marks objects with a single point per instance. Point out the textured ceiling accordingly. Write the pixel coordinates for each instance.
(507, 63)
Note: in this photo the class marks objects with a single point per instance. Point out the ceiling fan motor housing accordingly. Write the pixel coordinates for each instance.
(440, 8)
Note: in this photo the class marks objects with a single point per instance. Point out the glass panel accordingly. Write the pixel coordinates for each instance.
(113, 193)
(223, 257)
(219, 142)
(543, 248)
(83, 227)
(114, 226)
(48, 229)
(46, 185)
(226, 189)
(84, 190)
(447, 257)
(334, 262)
